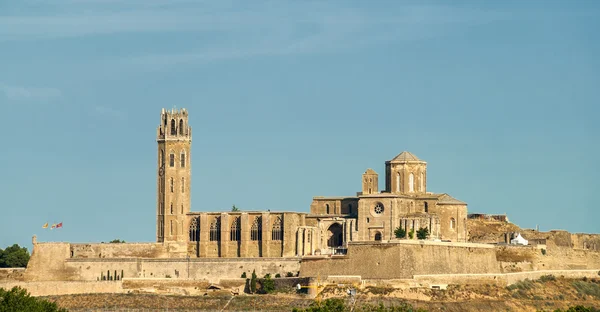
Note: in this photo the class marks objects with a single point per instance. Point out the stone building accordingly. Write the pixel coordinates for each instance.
(370, 215)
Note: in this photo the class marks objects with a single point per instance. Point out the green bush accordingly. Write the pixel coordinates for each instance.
(399, 232)
(14, 257)
(289, 274)
(337, 305)
(525, 284)
(18, 299)
(543, 251)
(411, 234)
(244, 275)
(277, 275)
(267, 285)
(578, 308)
(422, 233)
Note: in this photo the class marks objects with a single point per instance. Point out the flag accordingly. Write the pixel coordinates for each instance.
(59, 225)
(53, 226)
(45, 226)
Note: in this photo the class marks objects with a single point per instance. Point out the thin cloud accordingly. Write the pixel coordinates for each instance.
(24, 93)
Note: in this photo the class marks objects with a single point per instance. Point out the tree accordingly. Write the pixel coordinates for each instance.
(234, 208)
(267, 284)
(14, 257)
(400, 232)
(411, 233)
(117, 241)
(18, 299)
(422, 233)
(253, 282)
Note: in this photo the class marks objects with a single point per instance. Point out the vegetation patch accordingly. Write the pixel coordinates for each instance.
(525, 284)
(18, 299)
(587, 288)
(547, 278)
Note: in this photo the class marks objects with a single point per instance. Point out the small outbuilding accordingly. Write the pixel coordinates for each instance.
(519, 240)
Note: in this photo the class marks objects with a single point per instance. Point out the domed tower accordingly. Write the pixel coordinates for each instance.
(174, 137)
(406, 174)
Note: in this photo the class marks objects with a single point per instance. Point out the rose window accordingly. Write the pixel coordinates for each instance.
(378, 209)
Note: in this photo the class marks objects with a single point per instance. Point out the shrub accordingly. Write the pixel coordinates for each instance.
(422, 233)
(268, 285)
(18, 299)
(244, 275)
(586, 288)
(253, 282)
(543, 251)
(546, 278)
(289, 274)
(277, 275)
(399, 232)
(411, 234)
(525, 284)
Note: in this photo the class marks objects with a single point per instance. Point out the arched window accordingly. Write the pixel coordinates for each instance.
(277, 231)
(161, 209)
(378, 236)
(398, 182)
(194, 230)
(182, 212)
(215, 229)
(172, 185)
(256, 230)
(171, 208)
(422, 183)
(452, 223)
(180, 126)
(182, 185)
(173, 129)
(234, 233)
(172, 160)
(161, 160)
(327, 208)
(426, 207)
(411, 183)
(182, 159)
(171, 227)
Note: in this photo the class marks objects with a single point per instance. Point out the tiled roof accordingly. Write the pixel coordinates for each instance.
(406, 156)
(449, 200)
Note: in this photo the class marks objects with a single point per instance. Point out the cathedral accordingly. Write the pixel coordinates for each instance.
(370, 215)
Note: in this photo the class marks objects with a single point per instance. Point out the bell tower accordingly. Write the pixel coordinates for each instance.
(174, 137)
(406, 174)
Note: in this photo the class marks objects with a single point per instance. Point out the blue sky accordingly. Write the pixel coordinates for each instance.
(294, 99)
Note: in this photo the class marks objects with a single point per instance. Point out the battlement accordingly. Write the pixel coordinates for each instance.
(174, 125)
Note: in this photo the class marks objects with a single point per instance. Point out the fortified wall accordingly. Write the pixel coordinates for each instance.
(402, 259)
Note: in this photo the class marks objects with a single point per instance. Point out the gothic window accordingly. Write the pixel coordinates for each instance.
(194, 230)
(172, 160)
(171, 208)
(426, 207)
(182, 158)
(180, 126)
(327, 208)
(173, 129)
(182, 210)
(398, 182)
(161, 159)
(452, 223)
(422, 183)
(161, 231)
(182, 185)
(234, 233)
(215, 229)
(411, 183)
(172, 185)
(171, 227)
(277, 231)
(256, 230)
(161, 209)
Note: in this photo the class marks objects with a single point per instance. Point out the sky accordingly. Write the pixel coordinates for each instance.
(294, 99)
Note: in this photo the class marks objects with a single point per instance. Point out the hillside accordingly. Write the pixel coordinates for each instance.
(548, 293)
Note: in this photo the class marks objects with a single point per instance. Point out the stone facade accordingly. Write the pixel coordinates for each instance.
(371, 215)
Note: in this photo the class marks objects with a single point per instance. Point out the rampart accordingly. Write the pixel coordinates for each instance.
(403, 259)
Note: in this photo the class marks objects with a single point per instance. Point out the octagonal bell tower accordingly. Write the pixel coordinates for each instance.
(174, 137)
(406, 174)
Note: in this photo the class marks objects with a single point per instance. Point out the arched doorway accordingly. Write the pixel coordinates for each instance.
(378, 236)
(335, 236)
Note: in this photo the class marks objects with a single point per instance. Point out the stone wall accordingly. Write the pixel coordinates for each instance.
(128, 250)
(533, 258)
(12, 274)
(56, 288)
(403, 259)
